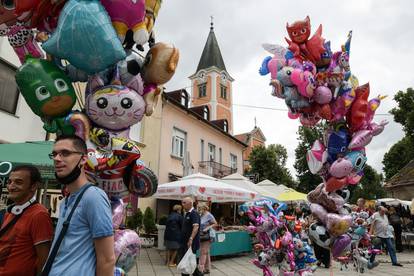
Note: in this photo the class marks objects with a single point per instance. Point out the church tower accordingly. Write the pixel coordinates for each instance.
(211, 84)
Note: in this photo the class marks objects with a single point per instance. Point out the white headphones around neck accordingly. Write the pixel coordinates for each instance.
(18, 209)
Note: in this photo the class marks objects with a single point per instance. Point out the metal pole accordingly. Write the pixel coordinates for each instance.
(234, 217)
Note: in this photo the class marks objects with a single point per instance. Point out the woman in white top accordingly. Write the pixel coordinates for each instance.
(207, 223)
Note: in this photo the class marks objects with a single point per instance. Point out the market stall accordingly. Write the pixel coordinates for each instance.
(229, 239)
(394, 201)
(231, 242)
(202, 187)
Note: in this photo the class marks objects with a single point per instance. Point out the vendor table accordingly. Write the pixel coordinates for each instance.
(407, 237)
(230, 242)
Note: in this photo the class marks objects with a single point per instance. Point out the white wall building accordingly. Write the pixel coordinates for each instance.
(17, 121)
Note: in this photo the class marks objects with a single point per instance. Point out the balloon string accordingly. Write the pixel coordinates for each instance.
(79, 98)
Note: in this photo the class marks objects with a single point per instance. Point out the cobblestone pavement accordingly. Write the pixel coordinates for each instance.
(151, 262)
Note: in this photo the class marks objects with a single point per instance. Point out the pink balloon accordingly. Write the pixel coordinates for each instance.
(127, 245)
(360, 139)
(353, 178)
(293, 116)
(305, 82)
(341, 168)
(251, 229)
(376, 129)
(319, 211)
(316, 156)
(322, 95)
(286, 238)
(118, 212)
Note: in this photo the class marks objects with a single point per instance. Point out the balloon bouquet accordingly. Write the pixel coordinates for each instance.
(93, 41)
(317, 85)
(279, 242)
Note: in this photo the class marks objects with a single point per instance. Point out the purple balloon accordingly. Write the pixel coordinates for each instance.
(340, 244)
(127, 245)
(118, 212)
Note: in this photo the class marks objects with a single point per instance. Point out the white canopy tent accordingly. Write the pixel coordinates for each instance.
(271, 189)
(240, 181)
(394, 201)
(204, 187)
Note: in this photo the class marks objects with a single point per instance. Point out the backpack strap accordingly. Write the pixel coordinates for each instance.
(65, 226)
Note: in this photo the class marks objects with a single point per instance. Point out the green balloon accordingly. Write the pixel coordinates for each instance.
(48, 92)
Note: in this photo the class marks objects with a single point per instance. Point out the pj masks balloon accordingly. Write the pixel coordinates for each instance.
(48, 92)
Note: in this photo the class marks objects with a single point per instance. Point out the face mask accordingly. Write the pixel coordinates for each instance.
(71, 177)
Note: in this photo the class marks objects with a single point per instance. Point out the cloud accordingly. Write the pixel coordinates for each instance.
(381, 53)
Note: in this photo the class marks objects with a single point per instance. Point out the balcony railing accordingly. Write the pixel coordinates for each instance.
(215, 169)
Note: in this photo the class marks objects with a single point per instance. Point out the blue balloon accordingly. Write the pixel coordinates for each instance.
(85, 37)
(264, 70)
(264, 201)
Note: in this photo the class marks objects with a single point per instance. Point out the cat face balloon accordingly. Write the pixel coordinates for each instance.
(115, 107)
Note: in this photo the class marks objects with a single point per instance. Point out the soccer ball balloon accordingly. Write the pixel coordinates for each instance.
(319, 235)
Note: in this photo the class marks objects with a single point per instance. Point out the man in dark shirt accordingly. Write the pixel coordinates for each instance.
(191, 230)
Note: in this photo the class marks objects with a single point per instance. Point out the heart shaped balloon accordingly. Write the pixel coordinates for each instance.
(337, 224)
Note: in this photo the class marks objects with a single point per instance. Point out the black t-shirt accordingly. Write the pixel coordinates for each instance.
(191, 218)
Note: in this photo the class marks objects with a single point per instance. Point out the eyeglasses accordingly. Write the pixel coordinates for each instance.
(63, 153)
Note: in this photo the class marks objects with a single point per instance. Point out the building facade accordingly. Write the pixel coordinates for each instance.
(211, 84)
(401, 185)
(253, 139)
(17, 121)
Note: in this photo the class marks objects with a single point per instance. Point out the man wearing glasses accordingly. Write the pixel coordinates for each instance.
(88, 245)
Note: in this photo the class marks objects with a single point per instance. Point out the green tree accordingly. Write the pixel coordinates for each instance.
(398, 156)
(403, 151)
(404, 113)
(149, 221)
(370, 186)
(135, 221)
(307, 136)
(270, 163)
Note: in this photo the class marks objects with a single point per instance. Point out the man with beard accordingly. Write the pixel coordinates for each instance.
(87, 248)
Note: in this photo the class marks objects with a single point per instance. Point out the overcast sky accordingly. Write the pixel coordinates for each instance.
(381, 53)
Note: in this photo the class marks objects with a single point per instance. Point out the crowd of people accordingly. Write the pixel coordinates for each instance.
(82, 243)
(193, 229)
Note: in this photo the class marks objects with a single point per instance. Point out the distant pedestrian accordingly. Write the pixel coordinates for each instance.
(173, 235)
(396, 222)
(380, 228)
(190, 230)
(208, 222)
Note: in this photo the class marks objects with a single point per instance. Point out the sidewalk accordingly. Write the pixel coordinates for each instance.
(151, 262)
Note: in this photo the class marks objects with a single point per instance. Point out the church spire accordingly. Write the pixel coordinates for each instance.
(211, 55)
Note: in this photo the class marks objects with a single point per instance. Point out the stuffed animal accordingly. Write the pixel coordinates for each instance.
(159, 67)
